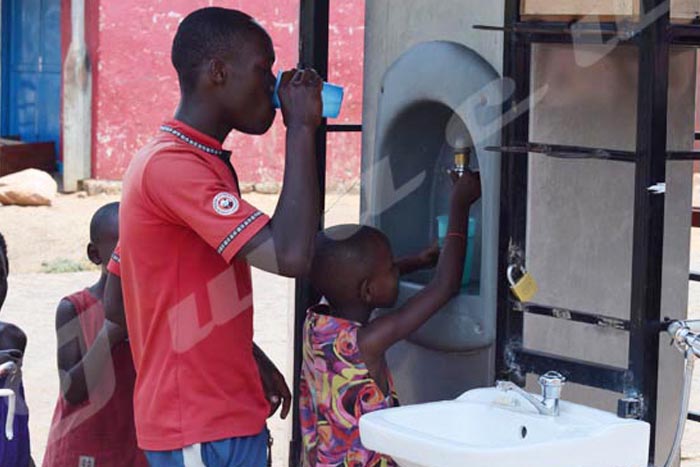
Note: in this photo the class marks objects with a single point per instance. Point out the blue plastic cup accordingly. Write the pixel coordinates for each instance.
(442, 224)
(331, 98)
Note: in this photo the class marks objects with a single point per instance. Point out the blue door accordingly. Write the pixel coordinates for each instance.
(31, 36)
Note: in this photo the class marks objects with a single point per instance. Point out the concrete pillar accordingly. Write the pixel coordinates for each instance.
(77, 103)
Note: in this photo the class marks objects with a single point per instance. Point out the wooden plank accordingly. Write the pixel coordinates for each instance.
(682, 11)
(565, 10)
(15, 157)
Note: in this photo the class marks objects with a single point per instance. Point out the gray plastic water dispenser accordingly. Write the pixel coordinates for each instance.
(437, 97)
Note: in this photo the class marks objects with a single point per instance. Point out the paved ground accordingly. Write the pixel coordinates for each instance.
(46, 235)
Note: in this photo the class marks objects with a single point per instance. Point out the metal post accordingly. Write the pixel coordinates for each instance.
(516, 67)
(313, 52)
(647, 259)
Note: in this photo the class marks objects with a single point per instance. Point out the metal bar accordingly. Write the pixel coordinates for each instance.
(313, 52)
(576, 371)
(683, 155)
(697, 136)
(344, 128)
(610, 29)
(694, 276)
(568, 32)
(513, 208)
(686, 34)
(647, 253)
(566, 152)
(694, 416)
(576, 316)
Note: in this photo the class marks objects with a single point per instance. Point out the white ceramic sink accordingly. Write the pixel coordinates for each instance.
(491, 428)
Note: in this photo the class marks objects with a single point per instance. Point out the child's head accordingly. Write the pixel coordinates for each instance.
(224, 59)
(4, 270)
(353, 265)
(104, 234)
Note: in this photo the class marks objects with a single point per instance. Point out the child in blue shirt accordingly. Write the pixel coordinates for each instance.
(14, 436)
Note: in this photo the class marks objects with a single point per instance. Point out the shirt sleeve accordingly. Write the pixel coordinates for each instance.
(191, 192)
(114, 265)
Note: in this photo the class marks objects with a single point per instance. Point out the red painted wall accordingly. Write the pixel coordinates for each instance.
(135, 87)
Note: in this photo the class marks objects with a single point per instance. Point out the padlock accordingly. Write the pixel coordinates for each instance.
(524, 288)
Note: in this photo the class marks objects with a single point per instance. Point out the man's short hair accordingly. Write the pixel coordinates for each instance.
(204, 34)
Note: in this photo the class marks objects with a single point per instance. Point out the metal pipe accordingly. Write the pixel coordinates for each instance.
(689, 353)
(9, 369)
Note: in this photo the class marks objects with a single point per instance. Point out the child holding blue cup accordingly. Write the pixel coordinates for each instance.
(331, 97)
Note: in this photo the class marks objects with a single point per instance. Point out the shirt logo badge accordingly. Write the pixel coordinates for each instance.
(225, 204)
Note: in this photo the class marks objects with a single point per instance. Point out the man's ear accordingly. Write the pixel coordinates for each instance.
(366, 291)
(217, 71)
(93, 254)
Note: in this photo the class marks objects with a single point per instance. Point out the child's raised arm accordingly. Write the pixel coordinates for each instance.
(384, 332)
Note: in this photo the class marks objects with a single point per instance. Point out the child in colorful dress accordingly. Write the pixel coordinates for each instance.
(344, 372)
(93, 423)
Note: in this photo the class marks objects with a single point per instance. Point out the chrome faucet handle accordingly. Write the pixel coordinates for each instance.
(551, 383)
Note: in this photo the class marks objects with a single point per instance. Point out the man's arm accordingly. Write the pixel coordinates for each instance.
(285, 245)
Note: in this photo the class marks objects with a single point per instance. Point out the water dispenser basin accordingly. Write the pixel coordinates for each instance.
(487, 427)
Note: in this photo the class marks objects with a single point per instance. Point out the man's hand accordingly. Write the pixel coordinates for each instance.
(300, 96)
(276, 390)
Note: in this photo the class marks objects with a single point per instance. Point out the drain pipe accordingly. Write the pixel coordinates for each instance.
(685, 339)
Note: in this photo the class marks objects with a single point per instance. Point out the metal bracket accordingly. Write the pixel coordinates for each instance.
(612, 323)
(630, 407)
(657, 189)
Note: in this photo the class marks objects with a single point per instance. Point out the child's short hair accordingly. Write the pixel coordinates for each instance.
(105, 214)
(204, 34)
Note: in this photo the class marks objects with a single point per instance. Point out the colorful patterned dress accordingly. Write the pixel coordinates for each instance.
(336, 389)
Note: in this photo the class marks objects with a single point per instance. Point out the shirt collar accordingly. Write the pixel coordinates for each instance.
(193, 137)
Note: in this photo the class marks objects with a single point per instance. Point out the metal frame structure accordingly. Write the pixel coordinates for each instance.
(314, 18)
(638, 382)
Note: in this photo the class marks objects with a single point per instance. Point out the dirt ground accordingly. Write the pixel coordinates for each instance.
(53, 239)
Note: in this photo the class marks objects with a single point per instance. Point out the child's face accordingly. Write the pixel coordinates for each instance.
(3, 278)
(385, 280)
(101, 250)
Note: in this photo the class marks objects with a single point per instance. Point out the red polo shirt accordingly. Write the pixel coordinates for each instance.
(188, 299)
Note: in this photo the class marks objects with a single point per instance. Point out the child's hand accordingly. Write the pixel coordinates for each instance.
(467, 188)
(429, 257)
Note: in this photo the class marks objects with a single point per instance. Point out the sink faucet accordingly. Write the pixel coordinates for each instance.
(551, 383)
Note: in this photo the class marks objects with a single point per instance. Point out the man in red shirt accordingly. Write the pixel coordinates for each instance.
(187, 241)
